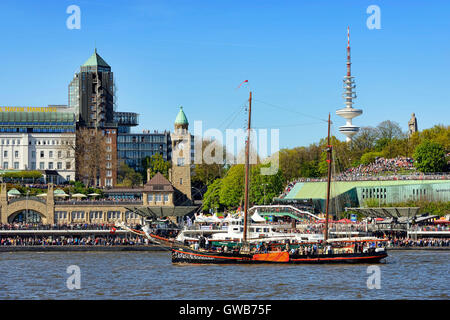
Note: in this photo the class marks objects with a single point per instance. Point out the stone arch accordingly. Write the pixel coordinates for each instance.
(22, 205)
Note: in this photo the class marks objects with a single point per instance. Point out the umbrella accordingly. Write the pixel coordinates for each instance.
(78, 195)
(93, 194)
(62, 195)
(14, 192)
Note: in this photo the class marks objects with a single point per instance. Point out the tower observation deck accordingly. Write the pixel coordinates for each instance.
(348, 113)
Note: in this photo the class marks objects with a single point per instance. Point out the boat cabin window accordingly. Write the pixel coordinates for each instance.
(242, 229)
(266, 229)
(258, 229)
(236, 229)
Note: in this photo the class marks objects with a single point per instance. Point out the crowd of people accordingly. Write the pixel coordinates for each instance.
(424, 242)
(72, 226)
(45, 240)
(382, 169)
(381, 165)
(95, 200)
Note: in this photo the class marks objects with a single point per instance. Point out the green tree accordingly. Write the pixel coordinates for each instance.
(126, 176)
(155, 163)
(263, 188)
(369, 157)
(231, 192)
(211, 199)
(429, 157)
(206, 173)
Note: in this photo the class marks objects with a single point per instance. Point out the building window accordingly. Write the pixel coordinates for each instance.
(16, 165)
(108, 148)
(42, 154)
(158, 197)
(41, 165)
(181, 181)
(5, 165)
(50, 165)
(16, 154)
(60, 154)
(50, 154)
(59, 165)
(108, 157)
(108, 165)
(108, 140)
(109, 173)
(33, 166)
(150, 197)
(33, 154)
(5, 153)
(180, 162)
(68, 165)
(166, 197)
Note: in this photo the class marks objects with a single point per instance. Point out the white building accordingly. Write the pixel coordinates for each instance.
(38, 139)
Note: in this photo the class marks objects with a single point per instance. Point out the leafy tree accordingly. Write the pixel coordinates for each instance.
(389, 130)
(370, 157)
(127, 176)
(430, 157)
(206, 173)
(231, 192)
(263, 188)
(211, 199)
(155, 163)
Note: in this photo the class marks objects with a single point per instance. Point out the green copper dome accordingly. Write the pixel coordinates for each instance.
(181, 117)
(95, 60)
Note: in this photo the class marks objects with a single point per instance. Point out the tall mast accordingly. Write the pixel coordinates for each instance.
(329, 159)
(247, 154)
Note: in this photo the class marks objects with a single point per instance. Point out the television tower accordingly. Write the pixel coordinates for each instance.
(348, 113)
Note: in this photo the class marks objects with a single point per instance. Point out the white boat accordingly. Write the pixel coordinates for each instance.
(232, 229)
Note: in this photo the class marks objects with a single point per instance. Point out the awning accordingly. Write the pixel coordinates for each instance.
(160, 212)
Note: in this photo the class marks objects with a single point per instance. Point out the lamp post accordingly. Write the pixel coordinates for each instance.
(26, 206)
(265, 184)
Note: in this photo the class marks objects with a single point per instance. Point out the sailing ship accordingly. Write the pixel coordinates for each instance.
(317, 252)
(246, 251)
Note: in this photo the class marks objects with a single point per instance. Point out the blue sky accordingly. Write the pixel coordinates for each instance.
(195, 53)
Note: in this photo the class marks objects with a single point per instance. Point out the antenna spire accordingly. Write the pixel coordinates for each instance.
(349, 72)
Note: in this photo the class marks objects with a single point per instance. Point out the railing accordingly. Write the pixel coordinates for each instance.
(98, 202)
(16, 199)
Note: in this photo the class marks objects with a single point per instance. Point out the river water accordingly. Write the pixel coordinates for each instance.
(151, 275)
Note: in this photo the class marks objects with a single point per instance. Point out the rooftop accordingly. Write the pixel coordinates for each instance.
(96, 60)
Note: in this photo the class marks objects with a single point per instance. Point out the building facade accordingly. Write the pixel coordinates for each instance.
(91, 96)
(180, 173)
(38, 138)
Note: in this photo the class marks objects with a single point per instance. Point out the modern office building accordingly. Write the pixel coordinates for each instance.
(133, 148)
(91, 96)
(38, 138)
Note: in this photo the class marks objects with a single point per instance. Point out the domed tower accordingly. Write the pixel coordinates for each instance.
(348, 113)
(181, 159)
